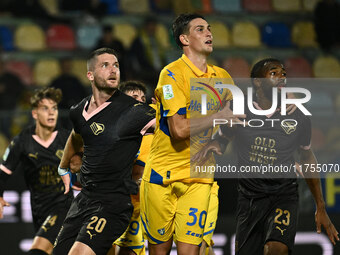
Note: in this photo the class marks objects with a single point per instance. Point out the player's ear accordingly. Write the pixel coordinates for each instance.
(184, 39)
(34, 114)
(90, 75)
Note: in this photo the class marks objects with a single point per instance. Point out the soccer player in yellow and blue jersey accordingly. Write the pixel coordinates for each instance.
(174, 203)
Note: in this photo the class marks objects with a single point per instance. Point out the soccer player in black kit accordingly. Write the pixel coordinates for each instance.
(268, 204)
(37, 151)
(109, 126)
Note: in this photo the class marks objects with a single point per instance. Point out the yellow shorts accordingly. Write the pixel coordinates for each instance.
(133, 237)
(177, 210)
(210, 224)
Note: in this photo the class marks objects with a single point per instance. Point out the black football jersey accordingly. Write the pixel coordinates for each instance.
(112, 137)
(39, 163)
(269, 147)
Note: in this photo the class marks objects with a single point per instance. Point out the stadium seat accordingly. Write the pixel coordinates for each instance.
(246, 34)
(303, 34)
(221, 34)
(162, 35)
(60, 37)
(79, 69)
(45, 70)
(286, 5)
(51, 6)
(134, 6)
(320, 104)
(237, 67)
(309, 5)
(88, 36)
(22, 69)
(276, 34)
(226, 6)
(126, 33)
(298, 67)
(206, 6)
(257, 5)
(182, 6)
(29, 37)
(112, 6)
(6, 39)
(326, 67)
(161, 6)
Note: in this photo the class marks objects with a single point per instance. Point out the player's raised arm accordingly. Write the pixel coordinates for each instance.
(73, 145)
(312, 179)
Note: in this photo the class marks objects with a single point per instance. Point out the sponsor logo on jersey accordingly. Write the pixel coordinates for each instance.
(97, 128)
(161, 231)
(288, 126)
(59, 153)
(35, 155)
(167, 92)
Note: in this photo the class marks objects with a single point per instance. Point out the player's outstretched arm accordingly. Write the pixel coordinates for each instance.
(3, 203)
(200, 124)
(73, 145)
(312, 179)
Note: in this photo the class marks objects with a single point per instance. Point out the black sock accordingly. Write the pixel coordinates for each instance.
(36, 252)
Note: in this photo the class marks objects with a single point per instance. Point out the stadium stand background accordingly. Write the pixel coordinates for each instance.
(36, 35)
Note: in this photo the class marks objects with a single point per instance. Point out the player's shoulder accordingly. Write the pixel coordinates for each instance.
(63, 131)
(26, 132)
(174, 68)
(79, 106)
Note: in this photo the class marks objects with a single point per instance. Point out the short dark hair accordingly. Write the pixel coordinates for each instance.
(48, 93)
(181, 25)
(257, 70)
(132, 86)
(91, 59)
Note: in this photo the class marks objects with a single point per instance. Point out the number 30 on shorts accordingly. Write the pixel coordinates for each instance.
(193, 212)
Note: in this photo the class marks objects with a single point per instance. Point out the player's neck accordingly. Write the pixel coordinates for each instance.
(199, 60)
(263, 101)
(97, 99)
(43, 133)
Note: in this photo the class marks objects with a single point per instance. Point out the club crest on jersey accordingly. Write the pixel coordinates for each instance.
(288, 126)
(59, 153)
(161, 231)
(97, 128)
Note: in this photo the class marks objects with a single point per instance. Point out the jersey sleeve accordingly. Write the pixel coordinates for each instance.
(74, 117)
(11, 157)
(139, 117)
(171, 94)
(306, 133)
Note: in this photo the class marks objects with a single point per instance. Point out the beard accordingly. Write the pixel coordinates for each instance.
(102, 85)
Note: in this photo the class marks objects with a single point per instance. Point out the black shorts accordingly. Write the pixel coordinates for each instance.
(50, 228)
(260, 220)
(95, 223)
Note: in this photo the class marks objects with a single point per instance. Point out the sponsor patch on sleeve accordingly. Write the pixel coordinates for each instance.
(167, 92)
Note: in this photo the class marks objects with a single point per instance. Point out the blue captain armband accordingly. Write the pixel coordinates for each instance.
(63, 171)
